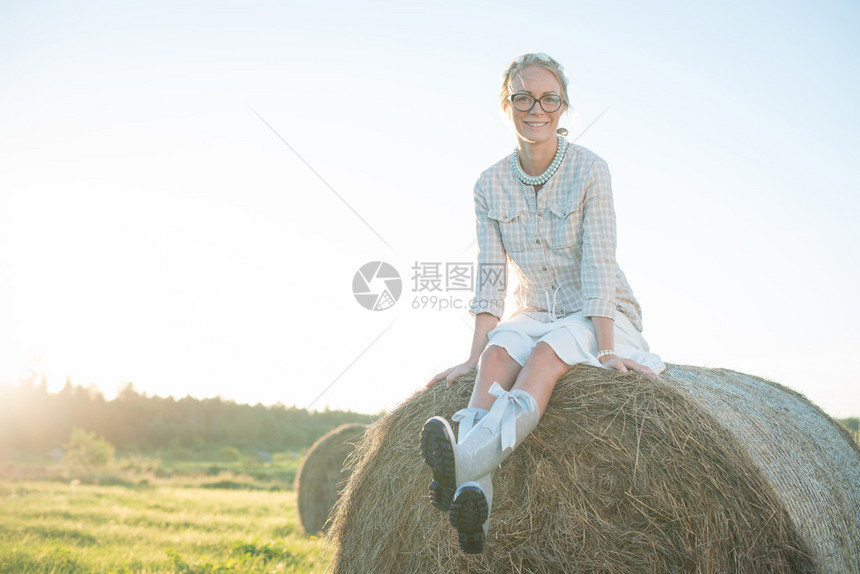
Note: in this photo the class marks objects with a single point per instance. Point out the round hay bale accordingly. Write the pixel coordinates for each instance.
(322, 476)
(709, 471)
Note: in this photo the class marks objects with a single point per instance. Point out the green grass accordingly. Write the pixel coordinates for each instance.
(62, 527)
(154, 471)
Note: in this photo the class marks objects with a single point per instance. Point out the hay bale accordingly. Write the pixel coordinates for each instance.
(322, 476)
(707, 471)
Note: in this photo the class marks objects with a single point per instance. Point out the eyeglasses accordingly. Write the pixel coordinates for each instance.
(525, 102)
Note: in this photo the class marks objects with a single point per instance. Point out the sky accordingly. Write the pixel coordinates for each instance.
(188, 189)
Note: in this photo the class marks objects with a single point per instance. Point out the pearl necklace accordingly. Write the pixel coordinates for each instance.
(550, 171)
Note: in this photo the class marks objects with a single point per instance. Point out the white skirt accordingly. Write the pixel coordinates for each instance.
(571, 337)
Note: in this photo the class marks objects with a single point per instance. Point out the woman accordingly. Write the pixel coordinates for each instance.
(548, 208)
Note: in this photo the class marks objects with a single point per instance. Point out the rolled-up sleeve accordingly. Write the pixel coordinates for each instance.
(598, 244)
(491, 280)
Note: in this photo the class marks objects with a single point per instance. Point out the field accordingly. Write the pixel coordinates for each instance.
(187, 524)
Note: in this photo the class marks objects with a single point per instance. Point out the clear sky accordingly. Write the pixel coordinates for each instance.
(187, 189)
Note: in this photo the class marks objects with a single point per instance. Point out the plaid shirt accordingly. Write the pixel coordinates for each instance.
(560, 242)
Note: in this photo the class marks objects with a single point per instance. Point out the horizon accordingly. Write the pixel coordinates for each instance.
(95, 389)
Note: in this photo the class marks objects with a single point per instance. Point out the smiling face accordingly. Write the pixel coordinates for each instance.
(536, 126)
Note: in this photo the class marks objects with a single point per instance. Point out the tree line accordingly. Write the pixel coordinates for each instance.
(35, 421)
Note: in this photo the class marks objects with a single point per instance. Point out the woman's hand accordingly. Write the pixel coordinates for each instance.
(450, 374)
(624, 365)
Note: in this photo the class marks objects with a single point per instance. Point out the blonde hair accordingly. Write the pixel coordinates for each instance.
(540, 60)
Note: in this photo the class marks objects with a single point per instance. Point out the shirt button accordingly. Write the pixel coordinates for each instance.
(553, 287)
(540, 213)
(505, 218)
(544, 267)
(537, 241)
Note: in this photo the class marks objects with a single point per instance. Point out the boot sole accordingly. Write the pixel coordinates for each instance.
(439, 456)
(469, 511)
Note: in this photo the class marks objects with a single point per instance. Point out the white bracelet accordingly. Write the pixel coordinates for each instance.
(604, 353)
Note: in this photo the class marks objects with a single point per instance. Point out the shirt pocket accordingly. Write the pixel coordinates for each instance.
(565, 225)
(512, 225)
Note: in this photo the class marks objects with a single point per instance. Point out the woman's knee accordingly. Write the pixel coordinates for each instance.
(495, 355)
(544, 355)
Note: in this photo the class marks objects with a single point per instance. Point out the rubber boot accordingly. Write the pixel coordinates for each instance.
(468, 418)
(439, 455)
(511, 419)
(470, 513)
(513, 416)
